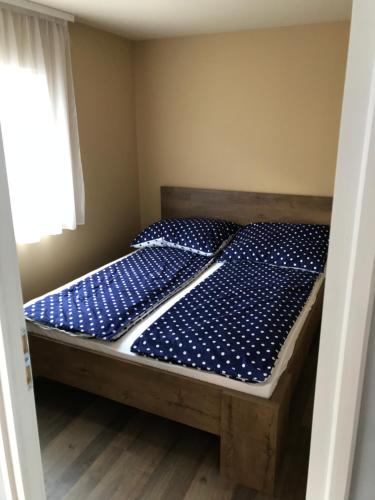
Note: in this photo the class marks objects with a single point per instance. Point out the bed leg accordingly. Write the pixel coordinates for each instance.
(252, 438)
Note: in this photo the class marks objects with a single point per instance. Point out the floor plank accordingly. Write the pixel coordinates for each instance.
(96, 449)
(207, 483)
(96, 471)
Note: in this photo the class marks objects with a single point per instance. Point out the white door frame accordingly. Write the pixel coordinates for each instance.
(350, 286)
(20, 459)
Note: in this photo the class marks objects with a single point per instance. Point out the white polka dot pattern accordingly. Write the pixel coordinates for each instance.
(299, 246)
(107, 303)
(234, 323)
(200, 235)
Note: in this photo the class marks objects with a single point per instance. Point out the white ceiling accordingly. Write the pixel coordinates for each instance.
(141, 19)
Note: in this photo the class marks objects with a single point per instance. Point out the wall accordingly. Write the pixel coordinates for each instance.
(254, 110)
(102, 69)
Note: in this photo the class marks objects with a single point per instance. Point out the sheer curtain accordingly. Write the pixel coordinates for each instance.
(39, 126)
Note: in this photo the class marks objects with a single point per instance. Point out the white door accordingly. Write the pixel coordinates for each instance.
(350, 287)
(21, 475)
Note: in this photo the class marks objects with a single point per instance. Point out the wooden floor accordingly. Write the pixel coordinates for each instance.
(93, 448)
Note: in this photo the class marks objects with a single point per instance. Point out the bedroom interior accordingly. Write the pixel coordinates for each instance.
(238, 125)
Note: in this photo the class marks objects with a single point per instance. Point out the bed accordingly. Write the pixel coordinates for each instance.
(250, 419)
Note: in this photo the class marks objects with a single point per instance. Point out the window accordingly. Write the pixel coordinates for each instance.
(39, 126)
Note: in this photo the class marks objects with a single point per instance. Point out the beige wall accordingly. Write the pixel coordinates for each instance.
(255, 110)
(102, 67)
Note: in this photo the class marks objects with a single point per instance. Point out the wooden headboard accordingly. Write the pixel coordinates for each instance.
(245, 207)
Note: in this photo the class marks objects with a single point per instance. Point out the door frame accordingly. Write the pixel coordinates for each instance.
(350, 285)
(20, 459)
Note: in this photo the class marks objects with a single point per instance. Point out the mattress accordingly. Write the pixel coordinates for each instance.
(121, 349)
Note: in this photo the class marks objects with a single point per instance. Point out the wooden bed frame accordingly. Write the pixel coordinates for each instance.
(252, 430)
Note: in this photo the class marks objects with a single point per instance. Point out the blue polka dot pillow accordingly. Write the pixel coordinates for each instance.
(198, 235)
(298, 246)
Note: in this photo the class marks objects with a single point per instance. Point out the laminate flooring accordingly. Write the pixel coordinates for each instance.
(97, 449)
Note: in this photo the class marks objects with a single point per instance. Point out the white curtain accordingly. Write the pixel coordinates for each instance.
(39, 126)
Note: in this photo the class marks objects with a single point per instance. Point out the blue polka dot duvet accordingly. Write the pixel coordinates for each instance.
(107, 303)
(233, 323)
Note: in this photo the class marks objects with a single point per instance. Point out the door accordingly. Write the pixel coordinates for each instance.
(21, 475)
(350, 285)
